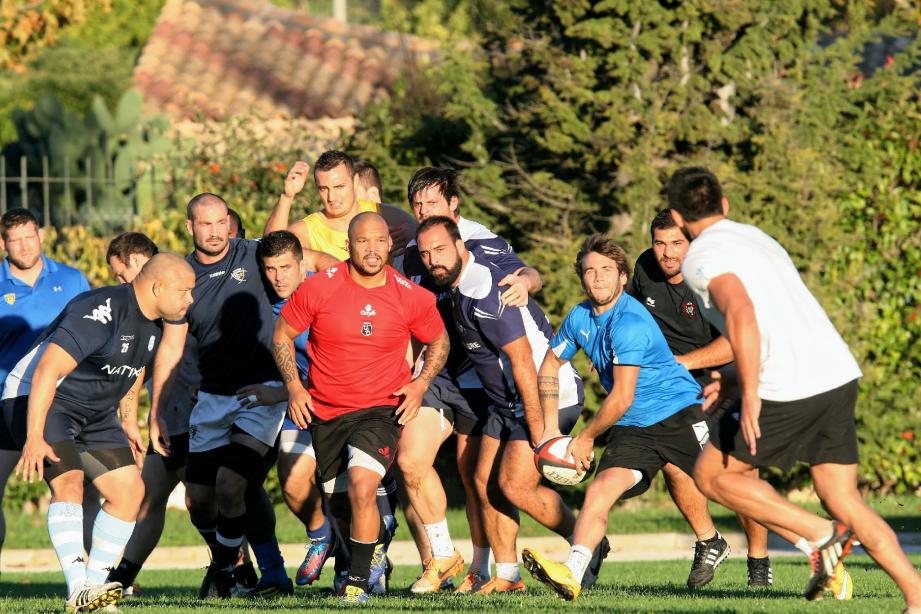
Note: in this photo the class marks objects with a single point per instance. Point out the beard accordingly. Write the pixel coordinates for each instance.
(22, 264)
(446, 280)
(211, 251)
(602, 301)
(368, 270)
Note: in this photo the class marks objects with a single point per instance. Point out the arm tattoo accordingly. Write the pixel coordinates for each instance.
(285, 361)
(548, 387)
(435, 358)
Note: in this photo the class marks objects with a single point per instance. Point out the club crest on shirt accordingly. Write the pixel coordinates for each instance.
(239, 275)
(689, 309)
(331, 271)
(650, 302)
(10, 298)
(366, 329)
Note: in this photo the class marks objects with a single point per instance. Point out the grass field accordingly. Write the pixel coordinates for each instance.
(652, 513)
(623, 587)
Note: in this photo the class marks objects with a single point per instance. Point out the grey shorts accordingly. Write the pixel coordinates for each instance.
(215, 415)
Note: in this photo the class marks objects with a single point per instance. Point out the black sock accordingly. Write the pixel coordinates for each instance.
(229, 537)
(752, 559)
(360, 568)
(210, 537)
(126, 573)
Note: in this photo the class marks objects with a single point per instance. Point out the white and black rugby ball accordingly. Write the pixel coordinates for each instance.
(550, 462)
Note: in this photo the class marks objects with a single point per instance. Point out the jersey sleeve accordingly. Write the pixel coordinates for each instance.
(630, 340)
(81, 336)
(299, 311)
(498, 253)
(498, 323)
(564, 343)
(425, 322)
(701, 266)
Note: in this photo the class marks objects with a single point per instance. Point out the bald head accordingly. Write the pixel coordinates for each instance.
(164, 287)
(362, 221)
(369, 244)
(205, 199)
(162, 266)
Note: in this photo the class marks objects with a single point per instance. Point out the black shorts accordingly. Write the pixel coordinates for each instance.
(505, 426)
(202, 467)
(13, 423)
(815, 430)
(179, 452)
(365, 438)
(467, 409)
(677, 440)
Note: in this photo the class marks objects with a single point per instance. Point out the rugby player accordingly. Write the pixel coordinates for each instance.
(456, 399)
(361, 314)
(85, 362)
(798, 384)
(231, 447)
(504, 345)
(652, 411)
(33, 290)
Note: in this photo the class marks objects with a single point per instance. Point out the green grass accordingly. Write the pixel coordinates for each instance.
(653, 513)
(623, 587)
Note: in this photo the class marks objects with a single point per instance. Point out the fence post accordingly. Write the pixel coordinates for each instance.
(46, 191)
(24, 182)
(2, 185)
(89, 183)
(67, 203)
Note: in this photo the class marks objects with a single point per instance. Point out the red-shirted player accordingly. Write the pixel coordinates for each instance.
(361, 315)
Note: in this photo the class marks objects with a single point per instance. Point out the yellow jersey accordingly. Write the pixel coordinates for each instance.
(333, 242)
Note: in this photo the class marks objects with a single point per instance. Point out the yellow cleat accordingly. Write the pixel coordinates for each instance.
(435, 573)
(841, 586)
(500, 585)
(472, 583)
(555, 575)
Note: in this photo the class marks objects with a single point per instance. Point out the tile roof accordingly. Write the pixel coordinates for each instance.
(217, 58)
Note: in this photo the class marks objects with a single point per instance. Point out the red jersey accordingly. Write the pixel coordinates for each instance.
(358, 337)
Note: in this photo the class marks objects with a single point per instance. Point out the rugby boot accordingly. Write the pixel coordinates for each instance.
(555, 575)
(471, 583)
(707, 557)
(437, 572)
(500, 585)
(759, 572)
(825, 559)
(92, 597)
(594, 565)
(318, 551)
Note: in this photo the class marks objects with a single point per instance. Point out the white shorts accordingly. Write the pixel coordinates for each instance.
(297, 442)
(214, 415)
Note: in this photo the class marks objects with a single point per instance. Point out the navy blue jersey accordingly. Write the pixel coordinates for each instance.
(484, 325)
(486, 247)
(111, 340)
(232, 320)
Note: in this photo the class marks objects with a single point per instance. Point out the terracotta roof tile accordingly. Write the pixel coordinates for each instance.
(220, 57)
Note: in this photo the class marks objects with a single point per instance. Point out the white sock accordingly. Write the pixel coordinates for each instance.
(480, 562)
(803, 546)
(508, 571)
(440, 539)
(65, 528)
(822, 540)
(579, 557)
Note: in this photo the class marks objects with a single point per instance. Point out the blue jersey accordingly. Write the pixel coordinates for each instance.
(300, 342)
(627, 335)
(484, 325)
(26, 310)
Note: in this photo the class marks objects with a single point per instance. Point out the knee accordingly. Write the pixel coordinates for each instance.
(363, 493)
(411, 468)
(704, 479)
(230, 487)
(68, 487)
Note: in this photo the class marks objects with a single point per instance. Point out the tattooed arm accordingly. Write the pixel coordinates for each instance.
(548, 388)
(436, 355)
(300, 405)
(128, 410)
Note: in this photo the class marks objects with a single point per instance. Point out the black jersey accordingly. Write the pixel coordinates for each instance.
(103, 330)
(673, 306)
(232, 320)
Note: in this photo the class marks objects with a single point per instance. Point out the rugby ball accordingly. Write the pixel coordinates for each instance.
(550, 462)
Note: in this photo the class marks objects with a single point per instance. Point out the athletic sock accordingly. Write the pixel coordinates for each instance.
(577, 562)
(360, 566)
(271, 563)
(387, 503)
(324, 533)
(229, 536)
(480, 562)
(210, 537)
(815, 544)
(803, 546)
(125, 573)
(440, 539)
(65, 528)
(110, 536)
(508, 571)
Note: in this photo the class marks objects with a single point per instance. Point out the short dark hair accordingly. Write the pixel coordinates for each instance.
(277, 243)
(203, 199)
(368, 175)
(439, 220)
(662, 221)
(446, 179)
(329, 160)
(127, 244)
(695, 193)
(601, 244)
(241, 229)
(16, 217)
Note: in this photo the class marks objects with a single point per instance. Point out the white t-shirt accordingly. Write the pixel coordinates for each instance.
(802, 354)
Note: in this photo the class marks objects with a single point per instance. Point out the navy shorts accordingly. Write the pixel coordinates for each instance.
(179, 452)
(100, 430)
(504, 425)
(467, 409)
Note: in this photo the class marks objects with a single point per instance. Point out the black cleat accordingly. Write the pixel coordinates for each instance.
(759, 572)
(245, 575)
(594, 565)
(707, 557)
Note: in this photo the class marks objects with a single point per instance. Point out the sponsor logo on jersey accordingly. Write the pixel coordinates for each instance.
(650, 302)
(483, 315)
(689, 309)
(614, 359)
(128, 370)
(403, 282)
(102, 313)
(585, 334)
(216, 274)
(58, 289)
(473, 345)
(368, 311)
(151, 342)
(126, 338)
(10, 298)
(239, 275)
(366, 329)
(385, 451)
(331, 271)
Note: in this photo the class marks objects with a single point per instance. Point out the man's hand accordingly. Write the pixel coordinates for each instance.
(412, 394)
(300, 406)
(32, 463)
(748, 420)
(159, 440)
(257, 395)
(582, 450)
(724, 385)
(296, 178)
(517, 293)
(401, 234)
(135, 442)
(549, 433)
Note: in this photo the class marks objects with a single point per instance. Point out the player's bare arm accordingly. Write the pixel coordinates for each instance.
(548, 390)
(730, 297)
(317, 261)
(716, 353)
(523, 283)
(612, 409)
(128, 412)
(166, 365)
(525, 374)
(300, 405)
(294, 183)
(435, 358)
(54, 365)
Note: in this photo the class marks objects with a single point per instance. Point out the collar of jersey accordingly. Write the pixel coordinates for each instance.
(49, 266)
(472, 281)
